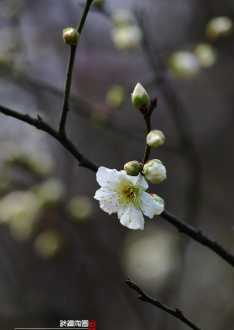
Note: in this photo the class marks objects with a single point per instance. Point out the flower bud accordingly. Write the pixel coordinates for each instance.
(71, 36)
(48, 243)
(127, 37)
(206, 55)
(80, 208)
(50, 192)
(155, 139)
(159, 201)
(140, 97)
(115, 96)
(184, 64)
(155, 171)
(219, 27)
(123, 18)
(133, 167)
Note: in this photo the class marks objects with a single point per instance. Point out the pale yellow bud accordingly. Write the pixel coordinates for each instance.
(127, 37)
(71, 36)
(206, 55)
(115, 96)
(219, 27)
(155, 171)
(48, 244)
(80, 208)
(155, 139)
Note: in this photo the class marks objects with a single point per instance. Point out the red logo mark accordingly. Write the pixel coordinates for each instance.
(92, 325)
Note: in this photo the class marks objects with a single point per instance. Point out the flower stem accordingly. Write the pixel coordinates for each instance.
(68, 83)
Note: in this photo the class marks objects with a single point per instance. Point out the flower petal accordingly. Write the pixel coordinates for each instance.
(107, 177)
(151, 205)
(138, 180)
(108, 200)
(131, 217)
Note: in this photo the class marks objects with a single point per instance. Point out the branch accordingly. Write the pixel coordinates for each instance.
(43, 126)
(188, 230)
(68, 83)
(177, 313)
(198, 236)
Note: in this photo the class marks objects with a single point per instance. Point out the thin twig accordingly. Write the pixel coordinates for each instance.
(147, 118)
(177, 313)
(68, 83)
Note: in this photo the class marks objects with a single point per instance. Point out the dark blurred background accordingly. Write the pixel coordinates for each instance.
(63, 258)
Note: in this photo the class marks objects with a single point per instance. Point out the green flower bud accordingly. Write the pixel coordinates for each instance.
(206, 55)
(80, 208)
(71, 36)
(219, 27)
(133, 167)
(155, 139)
(140, 97)
(115, 96)
(155, 171)
(48, 244)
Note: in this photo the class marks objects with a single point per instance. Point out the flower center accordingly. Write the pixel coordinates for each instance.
(128, 193)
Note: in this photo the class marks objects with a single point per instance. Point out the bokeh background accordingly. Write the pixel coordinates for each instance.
(61, 257)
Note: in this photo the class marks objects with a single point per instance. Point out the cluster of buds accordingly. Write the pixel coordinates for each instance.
(189, 62)
(153, 170)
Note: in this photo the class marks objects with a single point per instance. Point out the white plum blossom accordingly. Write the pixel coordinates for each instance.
(126, 195)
